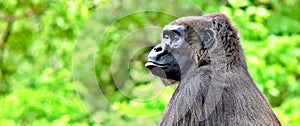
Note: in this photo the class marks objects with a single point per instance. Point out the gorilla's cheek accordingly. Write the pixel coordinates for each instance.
(173, 72)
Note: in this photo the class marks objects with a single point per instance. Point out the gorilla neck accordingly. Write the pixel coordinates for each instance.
(217, 98)
(211, 95)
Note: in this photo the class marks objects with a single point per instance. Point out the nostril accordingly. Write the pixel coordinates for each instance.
(157, 49)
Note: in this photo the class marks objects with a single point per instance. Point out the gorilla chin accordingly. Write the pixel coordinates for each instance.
(167, 71)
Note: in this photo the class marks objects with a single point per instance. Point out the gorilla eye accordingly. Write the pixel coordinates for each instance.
(173, 35)
(166, 36)
(176, 37)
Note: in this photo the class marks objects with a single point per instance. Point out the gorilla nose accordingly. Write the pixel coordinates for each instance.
(156, 52)
(157, 49)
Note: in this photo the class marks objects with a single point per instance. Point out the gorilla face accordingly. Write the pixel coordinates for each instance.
(170, 59)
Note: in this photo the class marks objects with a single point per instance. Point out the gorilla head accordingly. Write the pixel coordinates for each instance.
(173, 57)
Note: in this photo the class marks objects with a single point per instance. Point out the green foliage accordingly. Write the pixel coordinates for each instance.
(36, 84)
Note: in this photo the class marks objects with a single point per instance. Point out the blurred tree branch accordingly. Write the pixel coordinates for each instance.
(4, 38)
(6, 33)
(10, 20)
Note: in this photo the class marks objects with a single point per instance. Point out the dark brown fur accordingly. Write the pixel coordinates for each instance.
(221, 93)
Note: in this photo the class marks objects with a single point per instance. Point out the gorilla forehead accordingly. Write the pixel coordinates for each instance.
(173, 27)
(192, 21)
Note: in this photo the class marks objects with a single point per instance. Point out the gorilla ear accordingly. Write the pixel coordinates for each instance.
(206, 38)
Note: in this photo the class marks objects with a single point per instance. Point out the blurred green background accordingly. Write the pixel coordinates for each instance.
(37, 40)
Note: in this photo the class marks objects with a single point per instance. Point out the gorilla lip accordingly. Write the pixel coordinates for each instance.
(151, 65)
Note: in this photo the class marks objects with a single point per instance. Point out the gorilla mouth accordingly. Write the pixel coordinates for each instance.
(150, 65)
